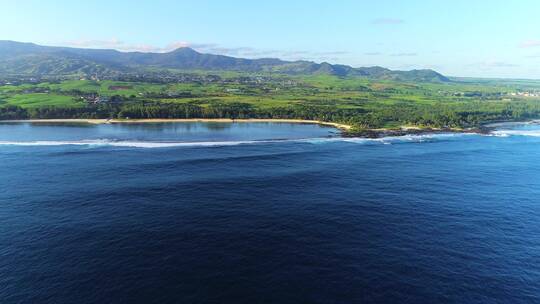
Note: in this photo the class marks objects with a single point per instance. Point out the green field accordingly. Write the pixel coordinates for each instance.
(358, 101)
(36, 100)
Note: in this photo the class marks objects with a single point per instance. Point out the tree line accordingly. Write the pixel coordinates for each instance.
(467, 114)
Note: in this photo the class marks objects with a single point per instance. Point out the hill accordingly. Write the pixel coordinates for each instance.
(18, 58)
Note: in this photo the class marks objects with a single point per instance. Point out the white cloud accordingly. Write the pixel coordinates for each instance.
(387, 21)
(488, 65)
(404, 54)
(120, 45)
(529, 44)
(210, 48)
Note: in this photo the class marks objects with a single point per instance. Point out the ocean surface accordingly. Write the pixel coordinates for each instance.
(267, 213)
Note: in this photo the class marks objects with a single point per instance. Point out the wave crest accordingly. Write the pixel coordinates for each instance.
(152, 144)
(129, 144)
(507, 133)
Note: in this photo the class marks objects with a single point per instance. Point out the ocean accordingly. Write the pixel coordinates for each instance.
(267, 213)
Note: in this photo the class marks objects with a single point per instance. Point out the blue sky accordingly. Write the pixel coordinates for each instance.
(459, 38)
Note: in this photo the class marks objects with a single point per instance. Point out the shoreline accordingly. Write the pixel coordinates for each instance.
(342, 127)
(381, 133)
(346, 130)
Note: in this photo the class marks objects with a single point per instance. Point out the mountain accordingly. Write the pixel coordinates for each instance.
(32, 59)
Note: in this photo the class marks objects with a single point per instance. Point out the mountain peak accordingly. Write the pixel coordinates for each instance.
(185, 50)
(14, 55)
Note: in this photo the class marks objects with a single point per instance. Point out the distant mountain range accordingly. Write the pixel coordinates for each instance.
(17, 58)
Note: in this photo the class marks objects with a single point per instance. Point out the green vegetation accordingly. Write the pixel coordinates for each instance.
(37, 100)
(18, 58)
(359, 101)
(44, 82)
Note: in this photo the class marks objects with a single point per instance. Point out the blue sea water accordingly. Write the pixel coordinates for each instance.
(266, 213)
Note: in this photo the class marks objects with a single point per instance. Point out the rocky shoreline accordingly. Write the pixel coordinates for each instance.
(379, 133)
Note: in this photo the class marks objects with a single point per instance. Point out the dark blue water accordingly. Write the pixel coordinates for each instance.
(269, 213)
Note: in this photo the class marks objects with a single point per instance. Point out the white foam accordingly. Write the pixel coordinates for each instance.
(507, 133)
(151, 144)
(408, 138)
(132, 144)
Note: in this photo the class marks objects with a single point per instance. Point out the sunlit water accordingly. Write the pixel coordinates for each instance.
(266, 213)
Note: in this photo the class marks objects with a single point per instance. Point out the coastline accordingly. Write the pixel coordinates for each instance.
(342, 127)
(380, 133)
(346, 130)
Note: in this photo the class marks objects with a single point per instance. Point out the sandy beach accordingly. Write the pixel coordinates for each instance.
(163, 120)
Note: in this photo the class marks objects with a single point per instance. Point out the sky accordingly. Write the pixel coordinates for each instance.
(457, 38)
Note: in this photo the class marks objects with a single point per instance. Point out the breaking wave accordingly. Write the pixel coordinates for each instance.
(507, 133)
(130, 144)
(152, 144)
